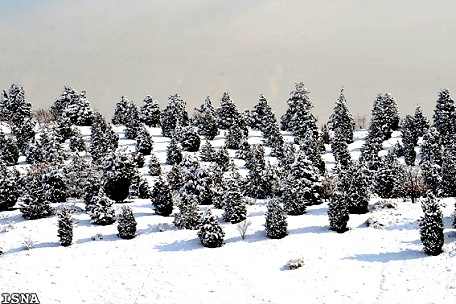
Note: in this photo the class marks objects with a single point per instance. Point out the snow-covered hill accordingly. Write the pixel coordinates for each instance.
(166, 265)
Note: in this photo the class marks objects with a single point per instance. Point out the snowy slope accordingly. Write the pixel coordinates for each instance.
(167, 265)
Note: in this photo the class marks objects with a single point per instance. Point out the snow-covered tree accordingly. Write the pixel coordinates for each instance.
(103, 139)
(228, 115)
(68, 96)
(206, 121)
(92, 186)
(9, 151)
(443, 114)
(357, 193)
(150, 113)
(34, 204)
(385, 116)
(190, 140)
(132, 121)
(175, 178)
(339, 149)
(139, 188)
(222, 158)
(234, 203)
(77, 143)
(78, 110)
(338, 212)
(9, 188)
(173, 115)
(173, 154)
(65, 226)
(385, 177)
(421, 122)
(431, 158)
(162, 197)
(341, 121)
(126, 223)
(196, 180)
(120, 112)
(447, 182)
(431, 225)
(207, 152)
(262, 116)
(233, 137)
(154, 165)
(189, 216)
(119, 169)
(409, 139)
(210, 232)
(144, 142)
(102, 211)
(276, 220)
(54, 185)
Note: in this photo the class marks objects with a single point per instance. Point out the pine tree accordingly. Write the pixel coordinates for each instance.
(293, 199)
(233, 200)
(9, 188)
(139, 188)
(447, 182)
(65, 226)
(341, 122)
(154, 165)
(338, 212)
(222, 158)
(102, 211)
(9, 151)
(431, 225)
(262, 115)
(190, 140)
(126, 223)
(421, 122)
(132, 122)
(103, 139)
(276, 220)
(120, 112)
(173, 114)
(206, 121)
(207, 152)
(119, 169)
(358, 190)
(196, 180)
(431, 158)
(384, 178)
(409, 139)
(245, 150)
(175, 178)
(443, 114)
(210, 232)
(92, 187)
(385, 116)
(340, 151)
(189, 216)
(77, 143)
(79, 111)
(150, 113)
(173, 154)
(233, 137)
(274, 140)
(228, 114)
(68, 96)
(138, 158)
(162, 197)
(144, 142)
(54, 185)
(34, 204)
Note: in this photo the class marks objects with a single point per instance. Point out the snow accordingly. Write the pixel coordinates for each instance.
(166, 265)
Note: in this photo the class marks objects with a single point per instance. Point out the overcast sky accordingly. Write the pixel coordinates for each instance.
(200, 47)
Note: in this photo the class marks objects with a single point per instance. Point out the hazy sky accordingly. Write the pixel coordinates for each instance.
(200, 47)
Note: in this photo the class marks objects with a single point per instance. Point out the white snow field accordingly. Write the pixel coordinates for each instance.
(164, 264)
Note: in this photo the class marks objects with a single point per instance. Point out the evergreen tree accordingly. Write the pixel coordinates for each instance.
(196, 180)
(233, 137)
(34, 204)
(139, 159)
(207, 152)
(9, 188)
(245, 150)
(154, 165)
(189, 216)
(431, 158)
(120, 112)
(443, 115)
(431, 225)
(173, 114)
(210, 232)
(119, 169)
(77, 143)
(150, 113)
(255, 184)
(384, 178)
(162, 197)
(174, 154)
(75, 174)
(262, 115)
(175, 178)
(54, 185)
(68, 96)
(65, 226)
(228, 115)
(234, 202)
(409, 139)
(372, 146)
(222, 158)
(340, 150)
(190, 140)
(132, 122)
(385, 116)
(276, 220)
(421, 122)
(9, 151)
(103, 139)
(341, 122)
(358, 191)
(292, 198)
(78, 110)
(206, 121)
(274, 139)
(338, 212)
(144, 142)
(126, 223)
(92, 186)
(447, 182)
(102, 211)
(216, 185)
(139, 188)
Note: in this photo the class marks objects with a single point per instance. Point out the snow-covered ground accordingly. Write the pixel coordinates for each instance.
(167, 265)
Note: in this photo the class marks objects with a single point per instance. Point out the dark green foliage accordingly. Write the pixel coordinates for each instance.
(341, 122)
(77, 143)
(119, 168)
(228, 115)
(196, 180)
(162, 197)
(276, 220)
(34, 204)
(293, 199)
(175, 178)
(102, 211)
(120, 112)
(154, 165)
(140, 188)
(9, 151)
(139, 159)
(233, 137)
(92, 186)
(173, 154)
(234, 203)
(222, 158)
(173, 115)
(262, 116)
(206, 121)
(103, 139)
(78, 110)
(54, 185)
(421, 122)
(150, 113)
(340, 150)
(65, 226)
(9, 188)
(338, 212)
(144, 142)
(189, 216)
(447, 184)
(409, 139)
(431, 225)
(190, 140)
(126, 223)
(68, 96)
(357, 192)
(207, 152)
(132, 122)
(384, 179)
(443, 115)
(431, 159)
(210, 232)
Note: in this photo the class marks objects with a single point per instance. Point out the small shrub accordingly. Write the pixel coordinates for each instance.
(242, 227)
(28, 243)
(126, 223)
(295, 263)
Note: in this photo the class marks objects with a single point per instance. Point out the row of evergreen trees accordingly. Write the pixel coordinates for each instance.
(296, 182)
